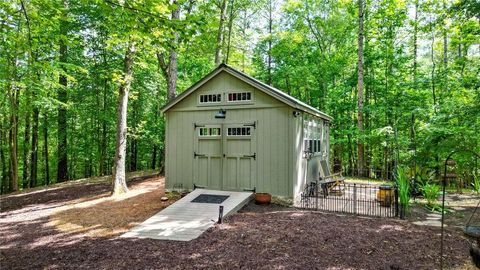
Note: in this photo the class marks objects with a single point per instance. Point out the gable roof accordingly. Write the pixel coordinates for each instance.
(267, 89)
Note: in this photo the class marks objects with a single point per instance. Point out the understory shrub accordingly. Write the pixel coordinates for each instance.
(403, 190)
(430, 192)
(476, 183)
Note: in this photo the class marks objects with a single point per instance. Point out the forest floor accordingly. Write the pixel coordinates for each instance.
(77, 226)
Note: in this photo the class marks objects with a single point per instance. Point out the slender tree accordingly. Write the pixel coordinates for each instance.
(45, 149)
(230, 29)
(34, 150)
(62, 151)
(360, 146)
(13, 134)
(220, 32)
(170, 67)
(270, 39)
(119, 176)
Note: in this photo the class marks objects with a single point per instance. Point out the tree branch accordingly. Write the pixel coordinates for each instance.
(162, 64)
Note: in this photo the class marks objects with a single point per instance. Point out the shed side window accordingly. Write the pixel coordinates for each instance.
(314, 137)
(239, 97)
(210, 98)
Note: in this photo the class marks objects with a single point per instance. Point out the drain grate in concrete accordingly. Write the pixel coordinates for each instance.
(209, 198)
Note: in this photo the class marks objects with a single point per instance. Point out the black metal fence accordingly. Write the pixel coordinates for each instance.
(358, 199)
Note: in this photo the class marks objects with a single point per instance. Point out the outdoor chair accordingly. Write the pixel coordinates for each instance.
(330, 183)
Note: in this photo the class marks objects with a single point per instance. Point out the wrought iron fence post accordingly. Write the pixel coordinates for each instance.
(396, 200)
(354, 199)
(316, 194)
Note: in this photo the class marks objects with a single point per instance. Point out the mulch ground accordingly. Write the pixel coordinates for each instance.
(259, 237)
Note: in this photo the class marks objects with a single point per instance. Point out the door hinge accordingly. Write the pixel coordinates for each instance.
(254, 156)
(254, 190)
(254, 125)
(197, 155)
(195, 125)
(195, 186)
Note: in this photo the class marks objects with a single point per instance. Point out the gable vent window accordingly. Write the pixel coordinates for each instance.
(236, 97)
(211, 98)
(238, 131)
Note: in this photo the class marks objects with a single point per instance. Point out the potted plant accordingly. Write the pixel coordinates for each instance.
(263, 198)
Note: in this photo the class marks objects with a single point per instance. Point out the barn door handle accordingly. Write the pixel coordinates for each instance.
(197, 155)
(254, 156)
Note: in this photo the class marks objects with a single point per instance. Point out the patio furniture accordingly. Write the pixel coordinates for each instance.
(330, 183)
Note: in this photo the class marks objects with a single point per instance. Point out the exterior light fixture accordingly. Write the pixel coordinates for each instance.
(221, 114)
(296, 113)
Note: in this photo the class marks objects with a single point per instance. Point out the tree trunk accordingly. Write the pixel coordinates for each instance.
(156, 114)
(230, 27)
(62, 159)
(45, 149)
(432, 76)
(287, 83)
(445, 39)
(154, 157)
(173, 75)
(270, 21)
(445, 49)
(26, 145)
(415, 46)
(119, 177)
(3, 161)
(170, 72)
(133, 156)
(34, 151)
(170, 69)
(360, 145)
(12, 138)
(218, 49)
(103, 142)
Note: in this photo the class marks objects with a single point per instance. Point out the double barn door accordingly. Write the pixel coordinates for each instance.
(224, 156)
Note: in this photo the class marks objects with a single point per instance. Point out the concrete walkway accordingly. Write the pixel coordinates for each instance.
(432, 219)
(186, 220)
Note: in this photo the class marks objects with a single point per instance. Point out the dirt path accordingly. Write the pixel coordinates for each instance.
(258, 237)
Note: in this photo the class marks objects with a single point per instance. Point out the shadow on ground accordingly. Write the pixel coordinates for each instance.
(259, 237)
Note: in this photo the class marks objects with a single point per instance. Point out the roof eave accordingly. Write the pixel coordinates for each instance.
(291, 101)
(192, 88)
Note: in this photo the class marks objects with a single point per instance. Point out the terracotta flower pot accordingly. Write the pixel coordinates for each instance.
(263, 198)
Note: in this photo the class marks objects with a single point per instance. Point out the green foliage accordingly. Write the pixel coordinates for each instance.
(430, 101)
(476, 183)
(430, 192)
(403, 187)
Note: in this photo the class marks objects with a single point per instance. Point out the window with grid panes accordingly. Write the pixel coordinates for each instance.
(239, 97)
(209, 132)
(210, 98)
(238, 131)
